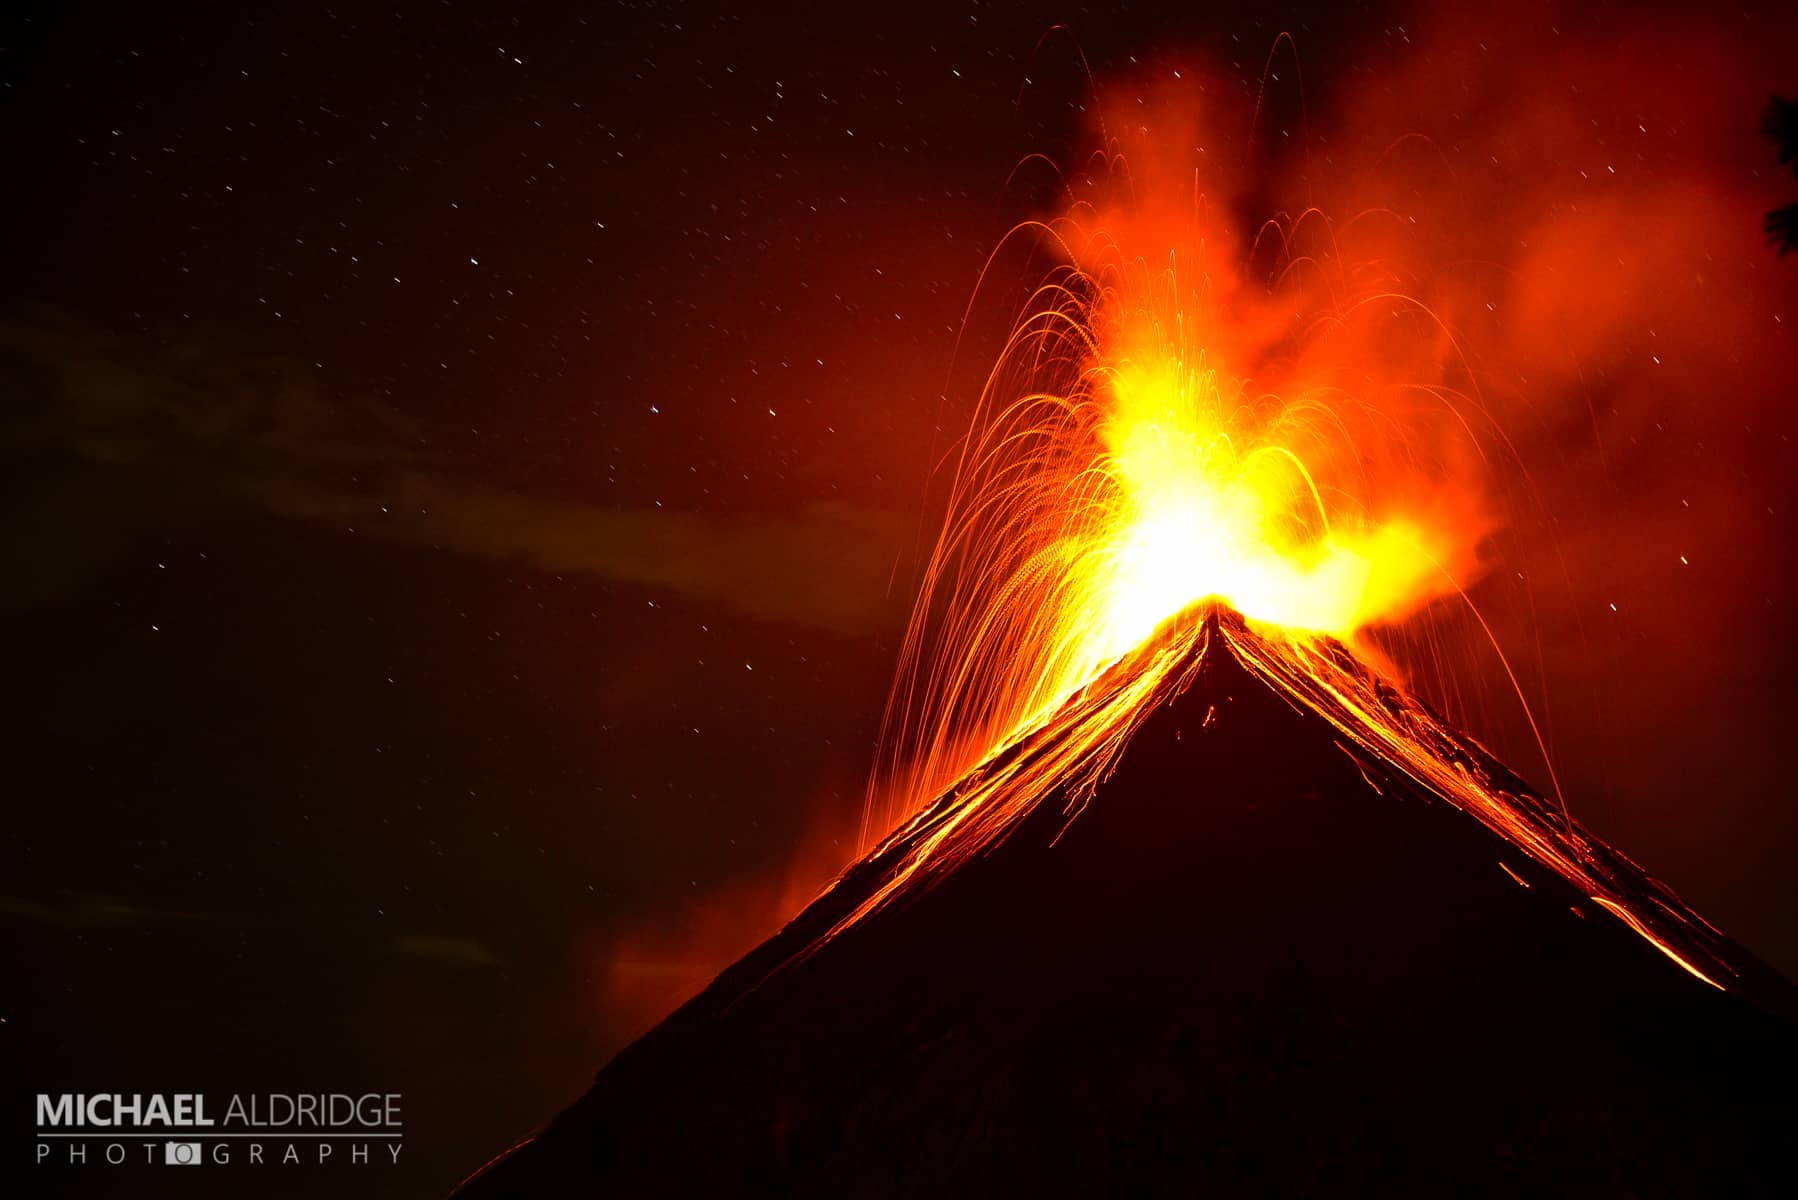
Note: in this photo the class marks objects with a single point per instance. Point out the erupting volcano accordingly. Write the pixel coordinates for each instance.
(1184, 893)
(1240, 944)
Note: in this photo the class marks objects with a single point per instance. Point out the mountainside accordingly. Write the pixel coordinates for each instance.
(1272, 929)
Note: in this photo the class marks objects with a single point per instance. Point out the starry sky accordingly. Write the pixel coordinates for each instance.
(467, 468)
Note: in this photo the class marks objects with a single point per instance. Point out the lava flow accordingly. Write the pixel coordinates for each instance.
(1395, 742)
(1215, 923)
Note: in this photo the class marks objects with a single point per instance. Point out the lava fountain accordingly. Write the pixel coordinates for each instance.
(1119, 472)
(1119, 468)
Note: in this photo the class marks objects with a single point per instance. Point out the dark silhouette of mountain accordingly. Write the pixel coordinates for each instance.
(1261, 958)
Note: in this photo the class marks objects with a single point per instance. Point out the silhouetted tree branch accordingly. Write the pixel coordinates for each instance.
(1780, 123)
(1782, 228)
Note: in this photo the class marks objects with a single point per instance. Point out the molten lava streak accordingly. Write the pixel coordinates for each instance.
(1117, 475)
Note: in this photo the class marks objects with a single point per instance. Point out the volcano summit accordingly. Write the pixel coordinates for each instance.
(1238, 918)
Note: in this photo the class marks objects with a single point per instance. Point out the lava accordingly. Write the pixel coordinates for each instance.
(1121, 468)
(1396, 743)
(1211, 921)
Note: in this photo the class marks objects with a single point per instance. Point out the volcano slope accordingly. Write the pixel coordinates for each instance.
(1278, 931)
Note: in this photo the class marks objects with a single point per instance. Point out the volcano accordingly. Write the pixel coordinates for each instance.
(1270, 928)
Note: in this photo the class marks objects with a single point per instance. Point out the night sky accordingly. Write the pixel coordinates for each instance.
(466, 471)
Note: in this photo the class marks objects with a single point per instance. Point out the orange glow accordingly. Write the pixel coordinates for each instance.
(1160, 435)
(1521, 882)
(1124, 464)
(1635, 923)
(1206, 510)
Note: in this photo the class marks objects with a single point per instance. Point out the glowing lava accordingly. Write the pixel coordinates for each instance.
(1117, 475)
(1204, 509)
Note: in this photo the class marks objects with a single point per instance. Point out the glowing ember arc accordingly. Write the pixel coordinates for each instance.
(1115, 474)
(1114, 477)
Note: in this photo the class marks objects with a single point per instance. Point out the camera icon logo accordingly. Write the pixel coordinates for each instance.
(181, 1154)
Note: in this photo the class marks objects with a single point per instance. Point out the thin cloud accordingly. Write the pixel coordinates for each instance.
(125, 441)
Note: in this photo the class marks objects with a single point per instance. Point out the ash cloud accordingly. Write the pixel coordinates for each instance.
(1579, 198)
(1552, 218)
